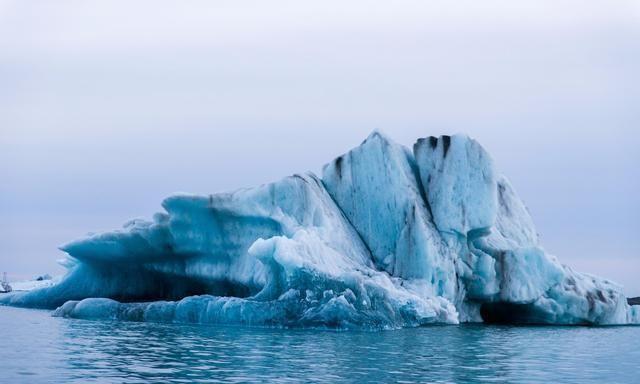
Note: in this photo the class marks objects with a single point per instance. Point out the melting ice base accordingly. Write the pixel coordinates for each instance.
(387, 238)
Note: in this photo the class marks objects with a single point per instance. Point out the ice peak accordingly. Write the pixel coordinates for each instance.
(377, 135)
(386, 238)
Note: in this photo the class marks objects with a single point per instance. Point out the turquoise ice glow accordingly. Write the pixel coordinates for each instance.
(388, 238)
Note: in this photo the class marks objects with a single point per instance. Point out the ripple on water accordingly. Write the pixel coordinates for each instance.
(40, 348)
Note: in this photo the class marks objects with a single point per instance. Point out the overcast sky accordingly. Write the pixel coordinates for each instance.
(108, 107)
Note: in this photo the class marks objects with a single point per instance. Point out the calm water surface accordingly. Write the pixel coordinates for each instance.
(39, 348)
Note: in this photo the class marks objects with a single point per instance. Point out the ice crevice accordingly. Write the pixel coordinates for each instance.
(387, 237)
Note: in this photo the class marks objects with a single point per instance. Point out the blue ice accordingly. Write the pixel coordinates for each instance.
(387, 238)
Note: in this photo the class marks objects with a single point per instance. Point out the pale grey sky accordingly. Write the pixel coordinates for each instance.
(108, 107)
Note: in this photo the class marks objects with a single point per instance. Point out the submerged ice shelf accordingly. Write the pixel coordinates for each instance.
(387, 238)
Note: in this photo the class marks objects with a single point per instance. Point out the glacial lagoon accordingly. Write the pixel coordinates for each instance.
(39, 348)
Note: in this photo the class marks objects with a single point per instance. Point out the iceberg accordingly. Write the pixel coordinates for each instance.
(388, 237)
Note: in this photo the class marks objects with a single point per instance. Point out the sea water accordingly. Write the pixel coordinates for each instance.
(36, 347)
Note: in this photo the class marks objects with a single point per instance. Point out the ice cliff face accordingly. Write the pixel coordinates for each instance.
(387, 238)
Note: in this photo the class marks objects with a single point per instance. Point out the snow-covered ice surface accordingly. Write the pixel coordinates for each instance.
(30, 285)
(387, 238)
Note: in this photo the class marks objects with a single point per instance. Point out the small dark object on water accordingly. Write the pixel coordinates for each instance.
(633, 300)
(43, 277)
(5, 287)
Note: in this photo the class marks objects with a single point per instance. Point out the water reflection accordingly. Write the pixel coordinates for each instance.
(41, 348)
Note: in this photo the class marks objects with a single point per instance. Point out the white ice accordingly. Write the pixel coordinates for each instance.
(387, 238)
